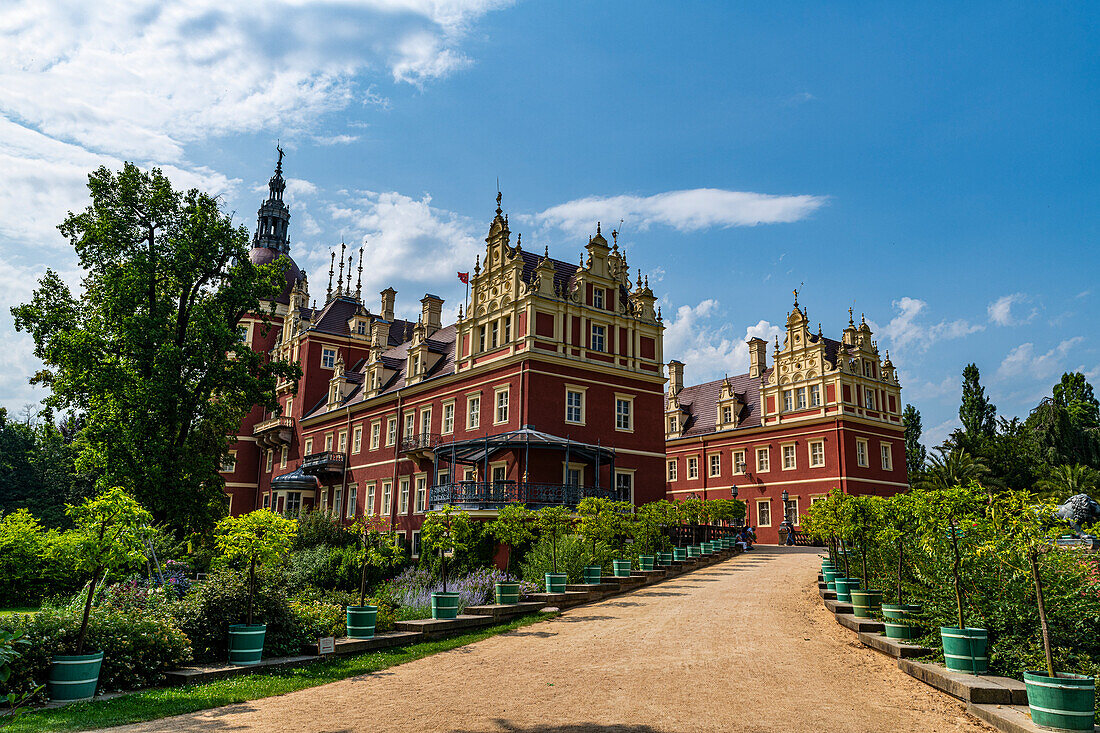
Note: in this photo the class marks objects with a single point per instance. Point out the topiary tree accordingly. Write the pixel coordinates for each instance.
(260, 538)
(692, 513)
(553, 522)
(447, 530)
(513, 525)
(109, 532)
(942, 514)
(898, 520)
(599, 522)
(377, 548)
(860, 517)
(654, 519)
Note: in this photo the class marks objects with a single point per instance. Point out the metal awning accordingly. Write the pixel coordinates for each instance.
(296, 480)
(477, 450)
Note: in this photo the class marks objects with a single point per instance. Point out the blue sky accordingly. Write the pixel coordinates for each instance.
(931, 165)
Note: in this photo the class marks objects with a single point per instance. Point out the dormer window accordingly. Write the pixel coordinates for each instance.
(361, 327)
(598, 336)
(597, 298)
(673, 424)
(727, 414)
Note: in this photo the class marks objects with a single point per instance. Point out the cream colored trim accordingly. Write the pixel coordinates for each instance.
(628, 398)
(240, 485)
(710, 455)
(810, 454)
(692, 462)
(246, 438)
(497, 392)
(866, 453)
(767, 451)
(632, 452)
(723, 435)
(744, 461)
(565, 471)
(758, 502)
(584, 403)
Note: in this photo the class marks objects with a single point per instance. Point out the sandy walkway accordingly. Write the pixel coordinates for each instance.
(741, 646)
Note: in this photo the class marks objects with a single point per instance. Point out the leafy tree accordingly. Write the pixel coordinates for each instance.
(109, 532)
(378, 548)
(976, 413)
(553, 522)
(603, 521)
(260, 538)
(859, 517)
(150, 353)
(1063, 482)
(1064, 426)
(37, 469)
(952, 467)
(898, 521)
(447, 530)
(1074, 393)
(944, 513)
(915, 453)
(513, 525)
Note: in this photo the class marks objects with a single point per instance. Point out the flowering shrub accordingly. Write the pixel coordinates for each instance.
(414, 587)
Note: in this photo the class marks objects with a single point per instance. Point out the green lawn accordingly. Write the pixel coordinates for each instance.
(163, 702)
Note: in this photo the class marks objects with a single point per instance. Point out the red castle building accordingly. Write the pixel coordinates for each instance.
(548, 388)
(825, 415)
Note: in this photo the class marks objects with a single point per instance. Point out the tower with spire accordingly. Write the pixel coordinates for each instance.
(273, 217)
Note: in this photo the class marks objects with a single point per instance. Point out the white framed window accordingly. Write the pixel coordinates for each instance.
(672, 469)
(324, 501)
(270, 460)
(309, 446)
(494, 340)
(448, 418)
(573, 473)
(574, 405)
(357, 439)
(861, 453)
(410, 425)
(368, 507)
(283, 456)
(624, 413)
(788, 400)
(673, 424)
(817, 498)
(473, 412)
(693, 467)
(387, 497)
(763, 513)
(414, 549)
(800, 397)
(293, 502)
(353, 501)
(375, 434)
(328, 442)
(421, 494)
(815, 395)
(403, 497)
(624, 485)
(391, 431)
(727, 414)
(426, 421)
(343, 442)
(328, 358)
(499, 472)
(597, 298)
(599, 338)
(507, 329)
(738, 462)
(229, 462)
(870, 399)
(790, 510)
(481, 338)
(763, 460)
(790, 460)
(502, 406)
(887, 458)
(338, 502)
(714, 465)
(817, 453)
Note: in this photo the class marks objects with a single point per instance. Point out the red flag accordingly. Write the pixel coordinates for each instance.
(464, 277)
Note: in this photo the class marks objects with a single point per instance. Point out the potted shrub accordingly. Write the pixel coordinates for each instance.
(844, 530)
(377, 549)
(896, 530)
(864, 516)
(447, 531)
(553, 522)
(1058, 700)
(658, 516)
(258, 538)
(109, 532)
(597, 527)
(512, 527)
(944, 512)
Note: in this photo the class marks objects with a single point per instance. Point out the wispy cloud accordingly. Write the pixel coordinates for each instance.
(687, 210)
(702, 337)
(1024, 361)
(1000, 310)
(906, 329)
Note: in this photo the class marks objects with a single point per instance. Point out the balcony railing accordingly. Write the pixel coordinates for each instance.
(276, 431)
(496, 494)
(324, 462)
(423, 441)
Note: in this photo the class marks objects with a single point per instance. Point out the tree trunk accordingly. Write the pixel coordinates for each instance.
(443, 567)
(87, 611)
(251, 586)
(847, 571)
(363, 578)
(1032, 557)
(956, 568)
(901, 565)
(863, 558)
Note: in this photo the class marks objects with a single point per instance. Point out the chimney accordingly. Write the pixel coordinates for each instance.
(758, 356)
(675, 377)
(389, 297)
(431, 312)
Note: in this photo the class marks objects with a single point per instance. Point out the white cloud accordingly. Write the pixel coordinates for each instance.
(686, 211)
(335, 139)
(1000, 310)
(702, 337)
(1024, 361)
(905, 329)
(936, 434)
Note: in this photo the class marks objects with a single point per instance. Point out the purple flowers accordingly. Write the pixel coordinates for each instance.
(415, 586)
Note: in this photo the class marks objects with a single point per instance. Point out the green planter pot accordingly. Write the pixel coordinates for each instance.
(1064, 702)
(74, 678)
(555, 582)
(246, 643)
(695, 551)
(896, 620)
(622, 568)
(445, 605)
(829, 575)
(507, 594)
(646, 562)
(844, 588)
(965, 650)
(664, 559)
(361, 621)
(593, 574)
(866, 603)
(679, 554)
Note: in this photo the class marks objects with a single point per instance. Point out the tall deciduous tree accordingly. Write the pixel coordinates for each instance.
(151, 353)
(915, 453)
(1065, 427)
(977, 413)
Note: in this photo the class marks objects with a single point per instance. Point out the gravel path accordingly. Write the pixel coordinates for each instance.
(741, 646)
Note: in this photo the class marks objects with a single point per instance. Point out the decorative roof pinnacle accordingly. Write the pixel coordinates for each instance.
(359, 279)
(331, 264)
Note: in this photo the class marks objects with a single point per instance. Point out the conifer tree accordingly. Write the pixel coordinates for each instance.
(915, 453)
(977, 414)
